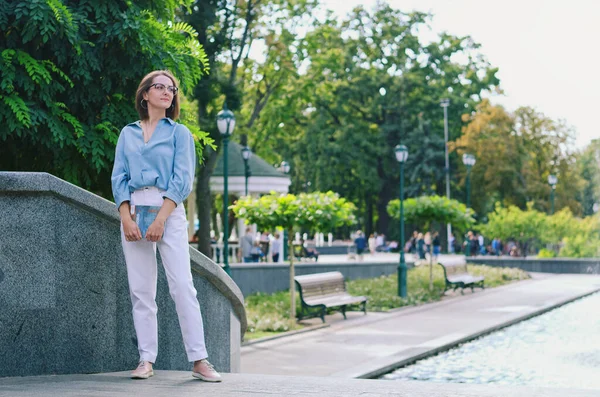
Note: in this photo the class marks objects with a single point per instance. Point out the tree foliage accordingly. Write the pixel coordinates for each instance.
(228, 29)
(515, 154)
(333, 124)
(425, 210)
(314, 212)
(69, 74)
(569, 235)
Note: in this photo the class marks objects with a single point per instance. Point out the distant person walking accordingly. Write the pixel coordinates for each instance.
(371, 243)
(361, 244)
(275, 247)
(154, 166)
(247, 244)
(451, 244)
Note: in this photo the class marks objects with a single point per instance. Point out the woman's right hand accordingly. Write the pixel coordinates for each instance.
(131, 230)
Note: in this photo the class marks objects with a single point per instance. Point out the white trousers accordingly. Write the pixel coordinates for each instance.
(140, 257)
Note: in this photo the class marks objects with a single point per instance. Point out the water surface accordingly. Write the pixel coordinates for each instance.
(558, 349)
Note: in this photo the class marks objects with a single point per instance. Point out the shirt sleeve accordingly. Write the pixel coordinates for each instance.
(184, 166)
(120, 174)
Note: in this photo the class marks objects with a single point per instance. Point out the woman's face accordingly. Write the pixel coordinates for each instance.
(160, 94)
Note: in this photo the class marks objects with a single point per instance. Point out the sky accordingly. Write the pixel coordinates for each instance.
(547, 51)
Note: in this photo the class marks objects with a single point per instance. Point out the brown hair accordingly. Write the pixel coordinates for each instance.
(172, 112)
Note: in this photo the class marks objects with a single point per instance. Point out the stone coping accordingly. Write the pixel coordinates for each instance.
(286, 265)
(44, 183)
(491, 258)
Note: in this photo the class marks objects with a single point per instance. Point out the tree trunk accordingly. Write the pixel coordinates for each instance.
(383, 221)
(430, 268)
(292, 274)
(203, 200)
(369, 215)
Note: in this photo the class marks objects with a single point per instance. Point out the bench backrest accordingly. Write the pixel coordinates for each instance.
(454, 269)
(320, 284)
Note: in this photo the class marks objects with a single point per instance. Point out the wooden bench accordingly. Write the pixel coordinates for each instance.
(457, 276)
(321, 291)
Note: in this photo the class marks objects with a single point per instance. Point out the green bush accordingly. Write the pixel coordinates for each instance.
(544, 253)
(270, 312)
(580, 246)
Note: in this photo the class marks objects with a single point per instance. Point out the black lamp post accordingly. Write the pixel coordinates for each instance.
(225, 124)
(469, 162)
(246, 154)
(552, 181)
(285, 168)
(401, 155)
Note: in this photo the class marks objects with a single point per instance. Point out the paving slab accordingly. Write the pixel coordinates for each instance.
(181, 384)
(368, 346)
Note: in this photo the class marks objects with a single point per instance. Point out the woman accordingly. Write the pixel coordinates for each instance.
(154, 166)
(372, 244)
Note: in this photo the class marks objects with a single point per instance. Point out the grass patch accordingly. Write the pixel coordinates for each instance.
(383, 291)
(268, 314)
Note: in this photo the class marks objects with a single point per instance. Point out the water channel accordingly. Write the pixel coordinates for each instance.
(560, 348)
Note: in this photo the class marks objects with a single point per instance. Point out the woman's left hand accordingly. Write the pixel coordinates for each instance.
(155, 230)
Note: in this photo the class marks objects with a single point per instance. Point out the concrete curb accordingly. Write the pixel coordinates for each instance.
(393, 365)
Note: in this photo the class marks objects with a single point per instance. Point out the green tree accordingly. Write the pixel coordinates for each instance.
(227, 30)
(513, 223)
(366, 82)
(515, 154)
(315, 212)
(69, 74)
(425, 210)
(584, 242)
(588, 166)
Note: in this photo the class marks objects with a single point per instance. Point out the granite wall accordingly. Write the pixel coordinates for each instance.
(64, 299)
(545, 265)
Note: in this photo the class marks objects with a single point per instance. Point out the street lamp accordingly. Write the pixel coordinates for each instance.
(246, 154)
(401, 156)
(445, 103)
(225, 125)
(285, 168)
(552, 181)
(469, 161)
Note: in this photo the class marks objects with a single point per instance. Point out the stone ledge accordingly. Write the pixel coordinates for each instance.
(44, 183)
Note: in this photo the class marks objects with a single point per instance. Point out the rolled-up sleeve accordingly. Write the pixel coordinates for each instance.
(184, 166)
(120, 174)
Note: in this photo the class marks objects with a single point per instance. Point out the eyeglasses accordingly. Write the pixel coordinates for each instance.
(161, 87)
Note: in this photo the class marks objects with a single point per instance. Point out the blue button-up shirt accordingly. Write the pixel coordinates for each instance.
(167, 161)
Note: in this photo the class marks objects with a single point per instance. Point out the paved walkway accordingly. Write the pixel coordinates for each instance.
(366, 346)
(360, 346)
(180, 384)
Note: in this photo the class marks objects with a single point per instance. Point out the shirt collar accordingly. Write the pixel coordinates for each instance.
(164, 118)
